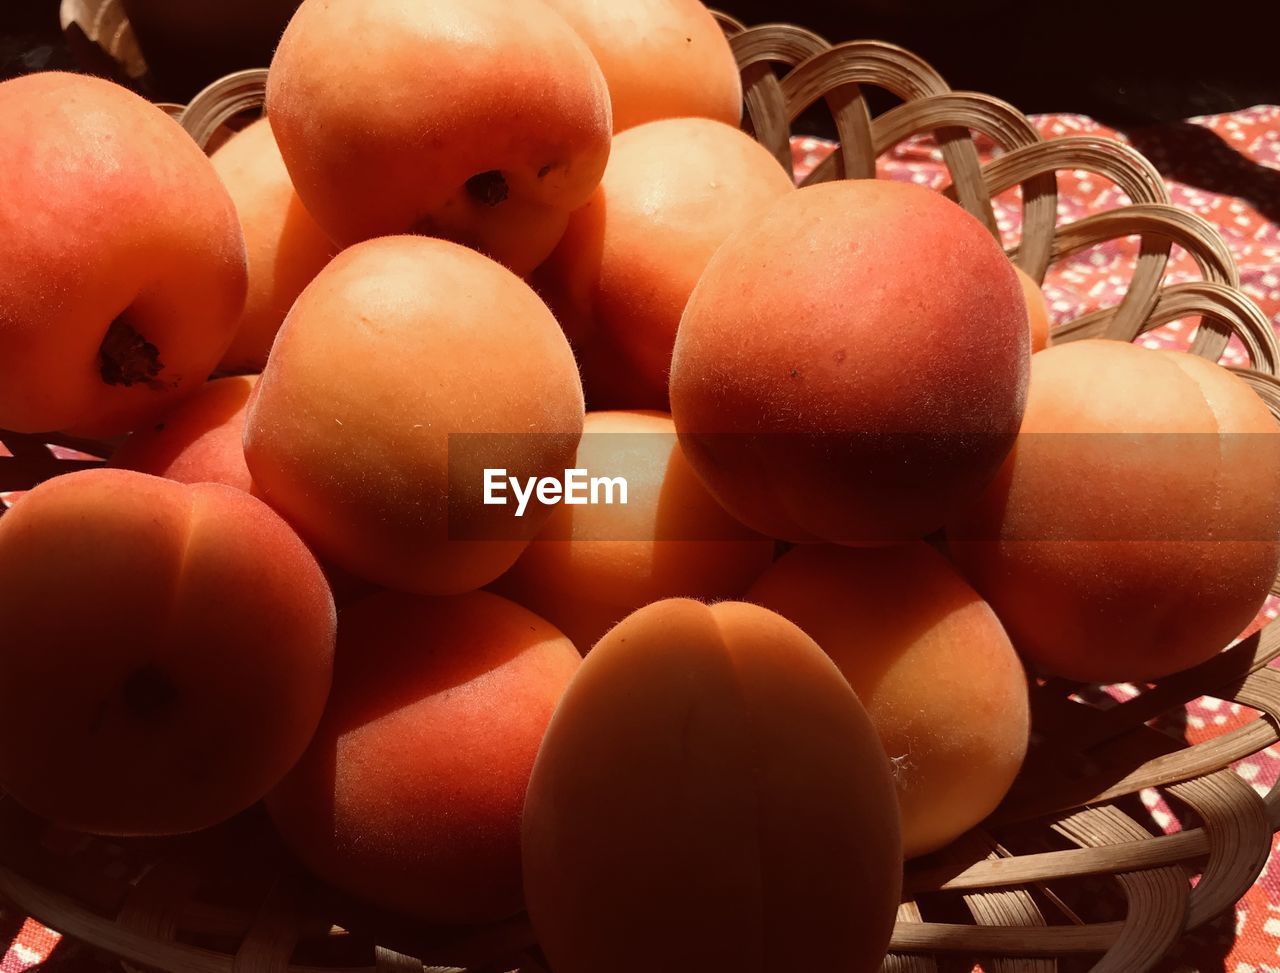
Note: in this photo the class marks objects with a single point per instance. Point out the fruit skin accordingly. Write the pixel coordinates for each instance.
(107, 209)
(167, 654)
(411, 794)
(661, 59)
(202, 441)
(671, 539)
(1037, 310)
(285, 247)
(852, 367)
(1162, 495)
(512, 90)
(198, 441)
(906, 630)
(710, 795)
(673, 191)
(428, 340)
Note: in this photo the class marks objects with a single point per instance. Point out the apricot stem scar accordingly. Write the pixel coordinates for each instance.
(127, 358)
(488, 188)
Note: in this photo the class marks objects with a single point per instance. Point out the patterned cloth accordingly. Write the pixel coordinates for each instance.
(31, 945)
(1225, 168)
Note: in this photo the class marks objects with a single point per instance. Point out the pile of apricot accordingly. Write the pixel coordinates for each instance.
(696, 728)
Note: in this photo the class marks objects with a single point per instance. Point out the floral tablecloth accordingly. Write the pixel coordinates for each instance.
(1225, 168)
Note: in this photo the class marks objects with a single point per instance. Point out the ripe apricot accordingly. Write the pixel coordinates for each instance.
(1133, 531)
(167, 652)
(122, 268)
(594, 564)
(710, 795)
(410, 795)
(852, 366)
(199, 441)
(482, 121)
(622, 273)
(202, 441)
(405, 356)
(1037, 310)
(906, 630)
(661, 58)
(285, 246)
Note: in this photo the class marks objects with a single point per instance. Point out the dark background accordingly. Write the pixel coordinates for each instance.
(1121, 61)
(1124, 62)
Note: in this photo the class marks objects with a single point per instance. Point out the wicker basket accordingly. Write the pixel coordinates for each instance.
(1064, 875)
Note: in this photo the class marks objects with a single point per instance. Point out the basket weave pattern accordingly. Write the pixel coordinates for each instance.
(1067, 874)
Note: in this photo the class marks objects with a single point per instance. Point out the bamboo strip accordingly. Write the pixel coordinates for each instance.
(1158, 898)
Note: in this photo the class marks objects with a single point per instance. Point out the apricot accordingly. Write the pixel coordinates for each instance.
(1133, 531)
(906, 630)
(122, 271)
(710, 795)
(168, 651)
(286, 248)
(594, 564)
(622, 273)
(407, 367)
(852, 366)
(201, 440)
(1037, 310)
(411, 793)
(481, 121)
(661, 59)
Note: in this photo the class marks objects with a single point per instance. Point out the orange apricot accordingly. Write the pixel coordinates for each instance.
(285, 247)
(167, 652)
(481, 121)
(199, 441)
(122, 272)
(404, 359)
(710, 795)
(1133, 531)
(906, 630)
(852, 366)
(1037, 310)
(411, 793)
(623, 272)
(661, 59)
(594, 564)
(202, 441)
